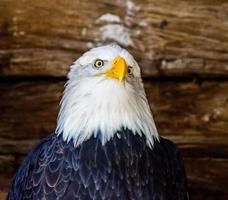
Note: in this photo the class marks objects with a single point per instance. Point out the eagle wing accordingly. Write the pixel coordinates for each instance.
(123, 169)
(40, 172)
(176, 183)
(57, 170)
(47, 172)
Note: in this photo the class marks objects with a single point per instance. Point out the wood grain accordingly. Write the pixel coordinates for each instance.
(207, 178)
(168, 38)
(193, 115)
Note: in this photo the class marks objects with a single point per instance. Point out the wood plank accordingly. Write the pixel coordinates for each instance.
(207, 178)
(3, 195)
(168, 38)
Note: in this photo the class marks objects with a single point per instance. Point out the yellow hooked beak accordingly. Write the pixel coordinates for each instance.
(118, 70)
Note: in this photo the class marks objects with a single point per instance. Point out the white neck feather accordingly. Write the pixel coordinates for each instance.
(90, 105)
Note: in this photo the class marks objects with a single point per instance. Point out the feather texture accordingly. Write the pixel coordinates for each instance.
(124, 168)
(93, 102)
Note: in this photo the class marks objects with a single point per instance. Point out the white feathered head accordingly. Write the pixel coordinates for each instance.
(105, 94)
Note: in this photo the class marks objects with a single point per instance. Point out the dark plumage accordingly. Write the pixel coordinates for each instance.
(124, 168)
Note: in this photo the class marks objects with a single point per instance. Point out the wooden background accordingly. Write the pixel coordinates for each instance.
(182, 47)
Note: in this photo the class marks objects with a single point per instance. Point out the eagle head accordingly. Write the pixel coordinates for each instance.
(104, 95)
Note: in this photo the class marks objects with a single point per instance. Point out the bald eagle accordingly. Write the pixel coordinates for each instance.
(106, 145)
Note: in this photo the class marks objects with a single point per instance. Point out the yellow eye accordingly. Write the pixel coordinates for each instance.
(130, 70)
(98, 63)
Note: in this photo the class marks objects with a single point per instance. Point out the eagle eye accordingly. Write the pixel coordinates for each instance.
(98, 63)
(130, 70)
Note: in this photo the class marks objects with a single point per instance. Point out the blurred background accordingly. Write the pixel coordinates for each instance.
(182, 47)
